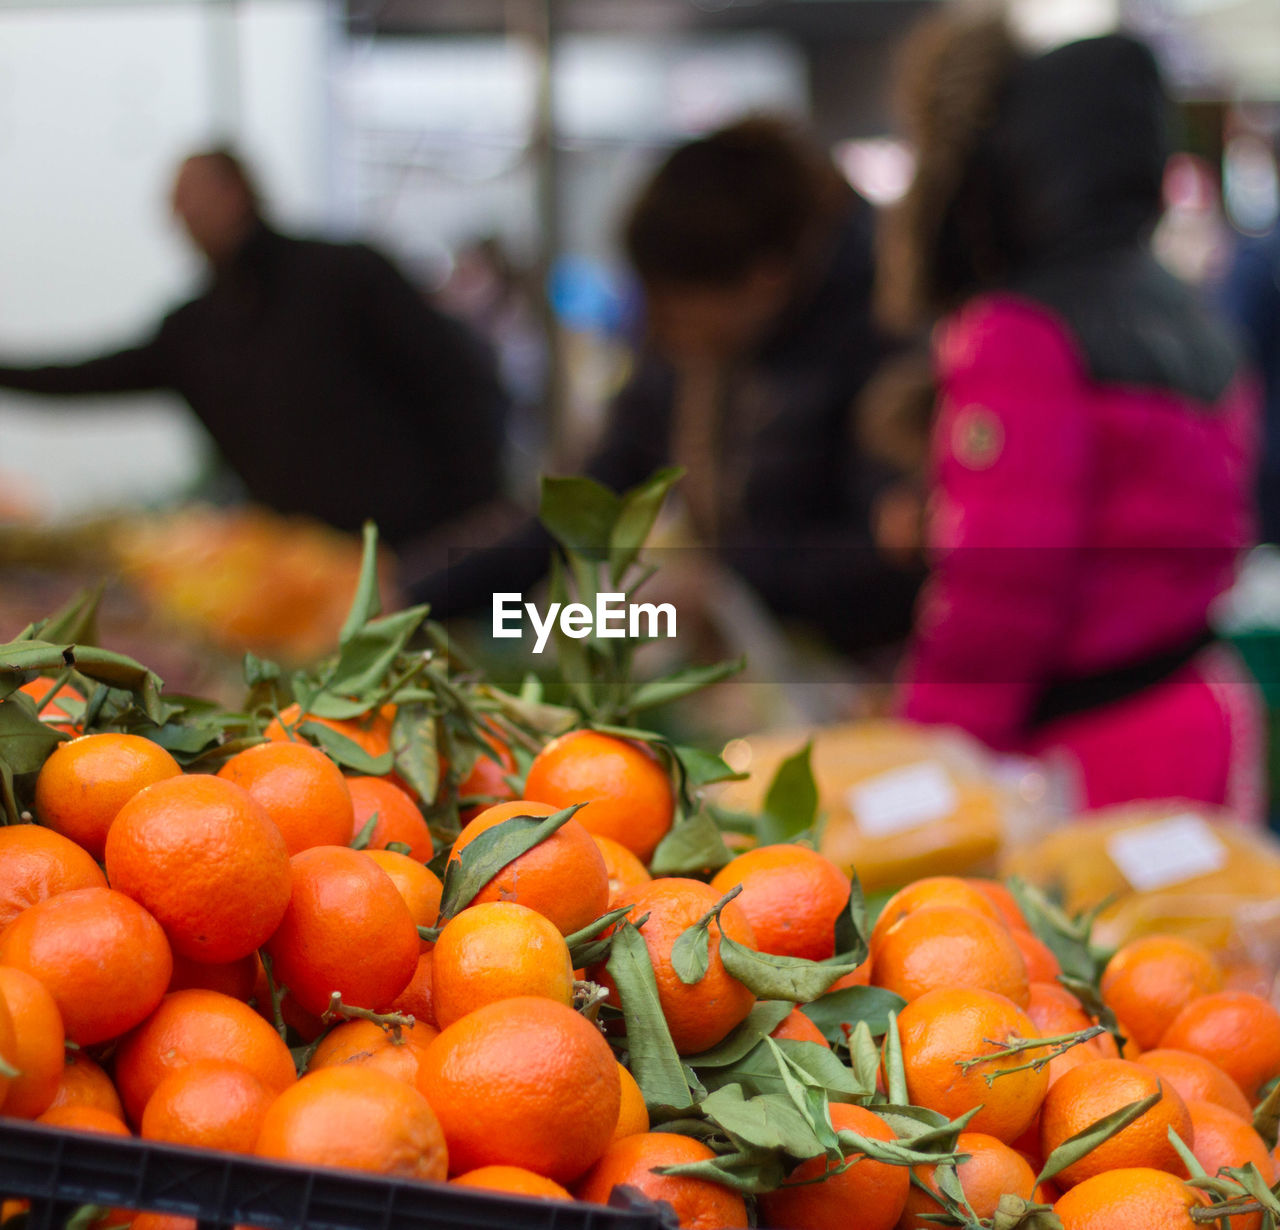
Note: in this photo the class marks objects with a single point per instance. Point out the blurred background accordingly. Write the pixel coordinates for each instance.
(490, 146)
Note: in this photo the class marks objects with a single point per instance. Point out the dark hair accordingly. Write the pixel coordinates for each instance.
(1025, 163)
(717, 206)
(232, 167)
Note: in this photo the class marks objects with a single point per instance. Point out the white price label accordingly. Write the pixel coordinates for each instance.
(1167, 852)
(902, 799)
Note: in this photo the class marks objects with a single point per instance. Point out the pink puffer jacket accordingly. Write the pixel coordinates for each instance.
(1075, 528)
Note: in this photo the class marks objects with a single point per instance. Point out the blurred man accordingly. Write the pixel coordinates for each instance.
(327, 382)
(755, 257)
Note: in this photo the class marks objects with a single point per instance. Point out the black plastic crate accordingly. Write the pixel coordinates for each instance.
(60, 1171)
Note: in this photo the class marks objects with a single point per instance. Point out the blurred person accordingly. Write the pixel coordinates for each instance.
(1251, 296)
(328, 384)
(756, 263)
(1093, 444)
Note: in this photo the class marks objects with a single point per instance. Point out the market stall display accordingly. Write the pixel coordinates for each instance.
(695, 1012)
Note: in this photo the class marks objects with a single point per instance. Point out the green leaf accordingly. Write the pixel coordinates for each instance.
(1266, 1117)
(25, 741)
(849, 1006)
(586, 947)
(76, 622)
(864, 1056)
(770, 976)
(535, 714)
(580, 514)
(691, 953)
(368, 653)
(1015, 1213)
(693, 845)
(347, 752)
(765, 1121)
(361, 840)
(682, 683)
(1084, 1142)
(761, 1021)
(86, 1216)
(652, 1056)
(852, 927)
(705, 768)
(1189, 1159)
(635, 517)
(258, 671)
(413, 749)
(482, 858)
(895, 1073)
(367, 601)
(791, 803)
(748, 1170)
(757, 1071)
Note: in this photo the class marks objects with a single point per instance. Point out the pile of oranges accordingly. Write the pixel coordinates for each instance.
(165, 936)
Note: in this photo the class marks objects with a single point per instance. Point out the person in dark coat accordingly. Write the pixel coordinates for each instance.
(755, 259)
(328, 383)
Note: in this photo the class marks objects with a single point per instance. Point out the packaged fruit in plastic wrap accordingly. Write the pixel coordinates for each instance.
(1168, 866)
(901, 801)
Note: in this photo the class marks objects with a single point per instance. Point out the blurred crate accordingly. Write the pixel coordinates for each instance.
(59, 1171)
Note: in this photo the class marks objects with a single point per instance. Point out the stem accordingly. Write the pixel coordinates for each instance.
(1061, 1043)
(276, 992)
(587, 998)
(1211, 1213)
(393, 1022)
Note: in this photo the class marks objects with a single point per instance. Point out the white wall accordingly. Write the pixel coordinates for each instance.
(97, 105)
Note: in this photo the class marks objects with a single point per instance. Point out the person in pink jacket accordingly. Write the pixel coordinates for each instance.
(1093, 446)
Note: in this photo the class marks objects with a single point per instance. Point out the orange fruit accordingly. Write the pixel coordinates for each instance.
(627, 874)
(1042, 965)
(36, 863)
(301, 790)
(357, 1119)
(1055, 1011)
(1137, 1198)
(633, 1161)
(160, 1221)
(1150, 980)
(868, 1196)
(791, 896)
(1238, 1031)
(101, 956)
(1223, 1139)
(524, 1082)
(797, 1026)
(206, 862)
(346, 929)
(190, 1026)
(497, 950)
(944, 1027)
(371, 732)
(398, 816)
(51, 712)
(84, 1083)
(701, 1014)
(514, 1181)
(84, 1119)
(563, 878)
(931, 891)
(367, 1044)
(209, 1104)
(1005, 902)
(419, 888)
(627, 791)
(1196, 1079)
(992, 1170)
(941, 947)
(8, 1051)
(85, 782)
(488, 778)
(633, 1114)
(38, 1045)
(235, 978)
(1088, 1093)
(418, 998)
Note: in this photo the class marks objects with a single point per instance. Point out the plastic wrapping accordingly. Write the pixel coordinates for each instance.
(902, 801)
